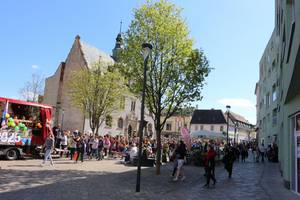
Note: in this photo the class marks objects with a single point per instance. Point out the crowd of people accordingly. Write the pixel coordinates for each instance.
(79, 146)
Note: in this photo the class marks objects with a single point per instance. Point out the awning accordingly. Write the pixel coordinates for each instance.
(209, 134)
(3, 99)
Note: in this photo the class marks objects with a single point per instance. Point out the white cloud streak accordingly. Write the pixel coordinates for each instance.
(34, 66)
(237, 102)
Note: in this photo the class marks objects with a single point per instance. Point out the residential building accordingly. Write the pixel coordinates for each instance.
(278, 91)
(208, 120)
(240, 129)
(175, 123)
(124, 121)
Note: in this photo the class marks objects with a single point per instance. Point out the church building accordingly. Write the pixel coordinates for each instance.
(124, 121)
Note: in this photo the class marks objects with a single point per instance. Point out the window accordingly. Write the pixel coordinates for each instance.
(274, 117)
(196, 127)
(212, 127)
(108, 121)
(268, 117)
(268, 100)
(221, 128)
(201, 127)
(132, 108)
(274, 93)
(120, 123)
(169, 127)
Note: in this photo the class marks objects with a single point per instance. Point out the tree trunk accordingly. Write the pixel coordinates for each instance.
(158, 150)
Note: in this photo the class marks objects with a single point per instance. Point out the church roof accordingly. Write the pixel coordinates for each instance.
(92, 55)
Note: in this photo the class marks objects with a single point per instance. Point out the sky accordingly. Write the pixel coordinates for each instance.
(35, 36)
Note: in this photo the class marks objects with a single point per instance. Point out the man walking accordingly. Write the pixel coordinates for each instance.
(228, 160)
(210, 166)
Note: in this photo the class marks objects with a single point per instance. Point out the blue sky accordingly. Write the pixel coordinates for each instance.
(37, 35)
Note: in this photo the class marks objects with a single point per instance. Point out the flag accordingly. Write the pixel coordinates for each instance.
(186, 137)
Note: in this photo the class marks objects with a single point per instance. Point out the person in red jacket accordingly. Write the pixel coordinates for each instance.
(209, 164)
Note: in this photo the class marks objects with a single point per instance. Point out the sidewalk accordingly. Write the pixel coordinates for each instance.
(111, 180)
(272, 184)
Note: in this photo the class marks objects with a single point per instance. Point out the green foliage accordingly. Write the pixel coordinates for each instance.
(97, 92)
(176, 71)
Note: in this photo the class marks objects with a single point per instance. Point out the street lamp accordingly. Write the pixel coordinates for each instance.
(146, 50)
(228, 109)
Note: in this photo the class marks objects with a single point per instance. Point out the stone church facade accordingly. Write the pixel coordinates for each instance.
(124, 121)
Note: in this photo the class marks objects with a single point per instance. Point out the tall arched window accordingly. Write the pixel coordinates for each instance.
(120, 123)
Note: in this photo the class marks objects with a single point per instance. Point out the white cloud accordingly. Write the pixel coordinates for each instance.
(237, 102)
(34, 66)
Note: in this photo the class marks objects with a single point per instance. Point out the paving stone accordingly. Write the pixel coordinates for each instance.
(109, 179)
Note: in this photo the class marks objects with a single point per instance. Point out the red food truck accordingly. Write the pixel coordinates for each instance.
(22, 127)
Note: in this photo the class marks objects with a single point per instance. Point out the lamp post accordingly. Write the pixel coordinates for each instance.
(146, 50)
(228, 109)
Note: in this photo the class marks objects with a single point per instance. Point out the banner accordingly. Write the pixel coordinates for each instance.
(186, 137)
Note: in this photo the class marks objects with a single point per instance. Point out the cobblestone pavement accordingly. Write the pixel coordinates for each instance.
(109, 179)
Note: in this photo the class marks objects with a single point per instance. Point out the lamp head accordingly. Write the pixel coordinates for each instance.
(146, 49)
(228, 107)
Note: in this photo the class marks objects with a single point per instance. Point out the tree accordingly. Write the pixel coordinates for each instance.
(176, 71)
(97, 93)
(33, 89)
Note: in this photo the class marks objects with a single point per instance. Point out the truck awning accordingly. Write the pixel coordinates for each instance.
(3, 99)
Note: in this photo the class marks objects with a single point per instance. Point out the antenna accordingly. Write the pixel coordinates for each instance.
(121, 26)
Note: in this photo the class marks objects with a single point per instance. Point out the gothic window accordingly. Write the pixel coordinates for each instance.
(108, 121)
(132, 106)
(120, 123)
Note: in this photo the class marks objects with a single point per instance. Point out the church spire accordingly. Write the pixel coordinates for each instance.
(119, 44)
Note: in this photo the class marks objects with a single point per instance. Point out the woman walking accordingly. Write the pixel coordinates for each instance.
(79, 147)
(181, 155)
(49, 146)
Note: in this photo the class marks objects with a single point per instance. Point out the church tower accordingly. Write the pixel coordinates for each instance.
(118, 45)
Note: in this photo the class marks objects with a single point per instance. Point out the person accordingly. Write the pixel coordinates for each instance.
(244, 152)
(133, 152)
(106, 145)
(94, 147)
(228, 160)
(57, 135)
(262, 151)
(72, 144)
(49, 145)
(181, 156)
(175, 161)
(63, 142)
(79, 147)
(100, 148)
(209, 165)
